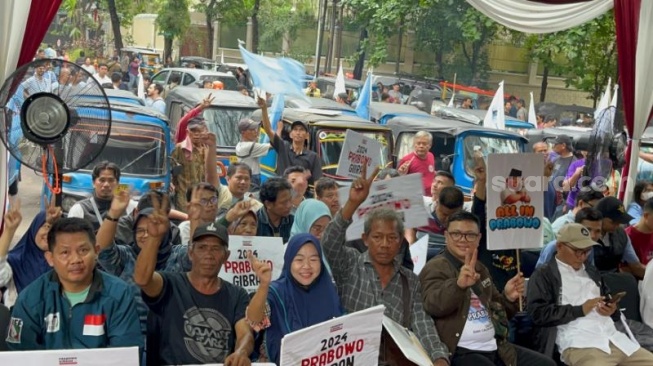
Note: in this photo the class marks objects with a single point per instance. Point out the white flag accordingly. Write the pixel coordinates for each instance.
(615, 96)
(532, 117)
(340, 83)
(495, 117)
(451, 101)
(140, 91)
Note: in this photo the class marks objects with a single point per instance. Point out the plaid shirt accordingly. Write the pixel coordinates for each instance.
(359, 287)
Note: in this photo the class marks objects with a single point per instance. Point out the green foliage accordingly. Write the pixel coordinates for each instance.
(173, 18)
(586, 55)
(228, 11)
(280, 17)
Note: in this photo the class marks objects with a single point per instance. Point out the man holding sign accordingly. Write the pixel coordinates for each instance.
(469, 312)
(376, 277)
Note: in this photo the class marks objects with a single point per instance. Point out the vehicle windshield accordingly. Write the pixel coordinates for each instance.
(487, 145)
(644, 168)
(136, 149)
(331, 141)
(223, 122)
(230, 83)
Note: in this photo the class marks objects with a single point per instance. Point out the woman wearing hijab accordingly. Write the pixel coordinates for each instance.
(25, 262)
(312, 217)
(245, 225)
(304, 294)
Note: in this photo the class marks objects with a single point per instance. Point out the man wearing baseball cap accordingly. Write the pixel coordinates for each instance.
(196, 317)
(569, 305)
(248, 150)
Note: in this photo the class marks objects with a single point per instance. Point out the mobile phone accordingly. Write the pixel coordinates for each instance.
(121, 188)
(612, 299)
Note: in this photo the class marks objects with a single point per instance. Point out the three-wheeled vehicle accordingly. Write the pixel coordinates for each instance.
(567, 115)
(150, 58)
(114, 95)
(454, 143)
(381, 112)
(228, 107)
(580, 137)
(476, 117)
(327, 86)
(319, 104)
(139, 143)
(327, 131)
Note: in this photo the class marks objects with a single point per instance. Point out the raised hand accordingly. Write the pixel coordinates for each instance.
(403, 168)
(514, 288)
(13, 217)
(194, 208)
(480, 169)
(262, 269)
(208, 140)
(158, 224)
(360, 188)
(468, 276)
(119, 203)
(206, 102)
(52, 211)
(262, 103)
(238, 210)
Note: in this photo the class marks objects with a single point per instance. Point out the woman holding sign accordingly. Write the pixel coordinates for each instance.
(304, 294)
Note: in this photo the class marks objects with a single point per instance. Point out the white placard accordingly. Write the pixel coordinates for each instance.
(237, 268)
(418, 252)
(356, 149)
(352, 339)
(403, 194)
(407, 342)
(515, 204)
(120, 356)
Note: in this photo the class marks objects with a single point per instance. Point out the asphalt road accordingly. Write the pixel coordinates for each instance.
(29, 191)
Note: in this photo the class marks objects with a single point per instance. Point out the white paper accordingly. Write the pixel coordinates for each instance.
(355, 150)
(237, 268)
(515, 224)
(418, 252)
(403, 194)
(352, 339)
(407, 342)
(122, 356)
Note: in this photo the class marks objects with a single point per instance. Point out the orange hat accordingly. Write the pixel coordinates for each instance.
(218, 85)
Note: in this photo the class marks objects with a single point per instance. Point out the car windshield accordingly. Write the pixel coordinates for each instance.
(487, 145)
(223, 122)
(331, 141)
(136, 149)
(230, 83)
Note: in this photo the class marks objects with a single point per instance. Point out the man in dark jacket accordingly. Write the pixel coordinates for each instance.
(572, 308)
(470, 314)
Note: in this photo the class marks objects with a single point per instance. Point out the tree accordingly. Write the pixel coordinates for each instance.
(115, 24)
(586, 55)
(281, 20)
(173, 19)
(232, 11)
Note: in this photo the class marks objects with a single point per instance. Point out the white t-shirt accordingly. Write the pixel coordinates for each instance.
(103, 80)
(251, 158)
(478, 333)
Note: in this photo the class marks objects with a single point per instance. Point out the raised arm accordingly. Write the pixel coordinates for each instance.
(150, 281)
(210, 160)
(107, 232)
(182, 125)
(13, 219)
(265, 119)
(256, 311)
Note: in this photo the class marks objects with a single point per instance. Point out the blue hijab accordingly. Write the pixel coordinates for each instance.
(293, 306)
(27, 260)
(307, 213)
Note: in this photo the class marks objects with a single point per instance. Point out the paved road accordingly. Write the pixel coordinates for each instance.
(29, 191)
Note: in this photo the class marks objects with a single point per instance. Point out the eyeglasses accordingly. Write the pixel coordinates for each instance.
(580, 253)
(206, 201)
(458, 236)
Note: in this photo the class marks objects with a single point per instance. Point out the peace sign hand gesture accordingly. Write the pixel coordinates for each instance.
(360, 188)
(159, 223)
(262, 269)
(52, 211)
(13, 217)
(468, 276)
(206, 102)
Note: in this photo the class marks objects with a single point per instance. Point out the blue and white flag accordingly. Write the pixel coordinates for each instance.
(275, 75)
(275, 113)
(495, 117)
(363, 103)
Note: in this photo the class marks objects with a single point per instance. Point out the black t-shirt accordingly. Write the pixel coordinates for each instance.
(286, 158)
(193, 328)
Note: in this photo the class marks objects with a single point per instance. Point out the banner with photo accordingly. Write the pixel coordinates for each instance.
(515, 201)
(238, 270)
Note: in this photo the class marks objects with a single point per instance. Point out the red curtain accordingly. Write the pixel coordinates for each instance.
(626, 16)
(41, 13)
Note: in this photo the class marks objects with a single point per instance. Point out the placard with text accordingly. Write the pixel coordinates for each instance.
(118, 356)
(356, 149)
(237, 268)
(352, 339)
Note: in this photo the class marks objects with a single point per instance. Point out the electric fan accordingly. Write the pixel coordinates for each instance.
(55, 118)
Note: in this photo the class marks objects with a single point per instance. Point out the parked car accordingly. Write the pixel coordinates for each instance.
(139, 143)
(326, 136)
(454, 143)
(199, 63)
(195, 77)
(231, 68)
(228, 107)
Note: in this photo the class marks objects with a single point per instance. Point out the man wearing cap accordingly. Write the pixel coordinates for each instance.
(297, 152)
(568, 303)
(248, 150)
(515, 191)
(614, 246)
(195, 317)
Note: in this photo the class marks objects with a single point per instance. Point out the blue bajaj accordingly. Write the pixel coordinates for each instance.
(139, 143)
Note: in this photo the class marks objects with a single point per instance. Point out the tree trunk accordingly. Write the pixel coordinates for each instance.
(115, 25)
(257, 6)
(360, 63)
(209, 29)
(167, 47)
(545, 84)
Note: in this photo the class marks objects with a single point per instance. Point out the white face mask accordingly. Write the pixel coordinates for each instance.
(646, 196)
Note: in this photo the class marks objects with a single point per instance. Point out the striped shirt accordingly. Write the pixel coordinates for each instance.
(35, 85)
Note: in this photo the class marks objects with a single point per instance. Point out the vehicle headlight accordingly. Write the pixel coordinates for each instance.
(67, 202)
